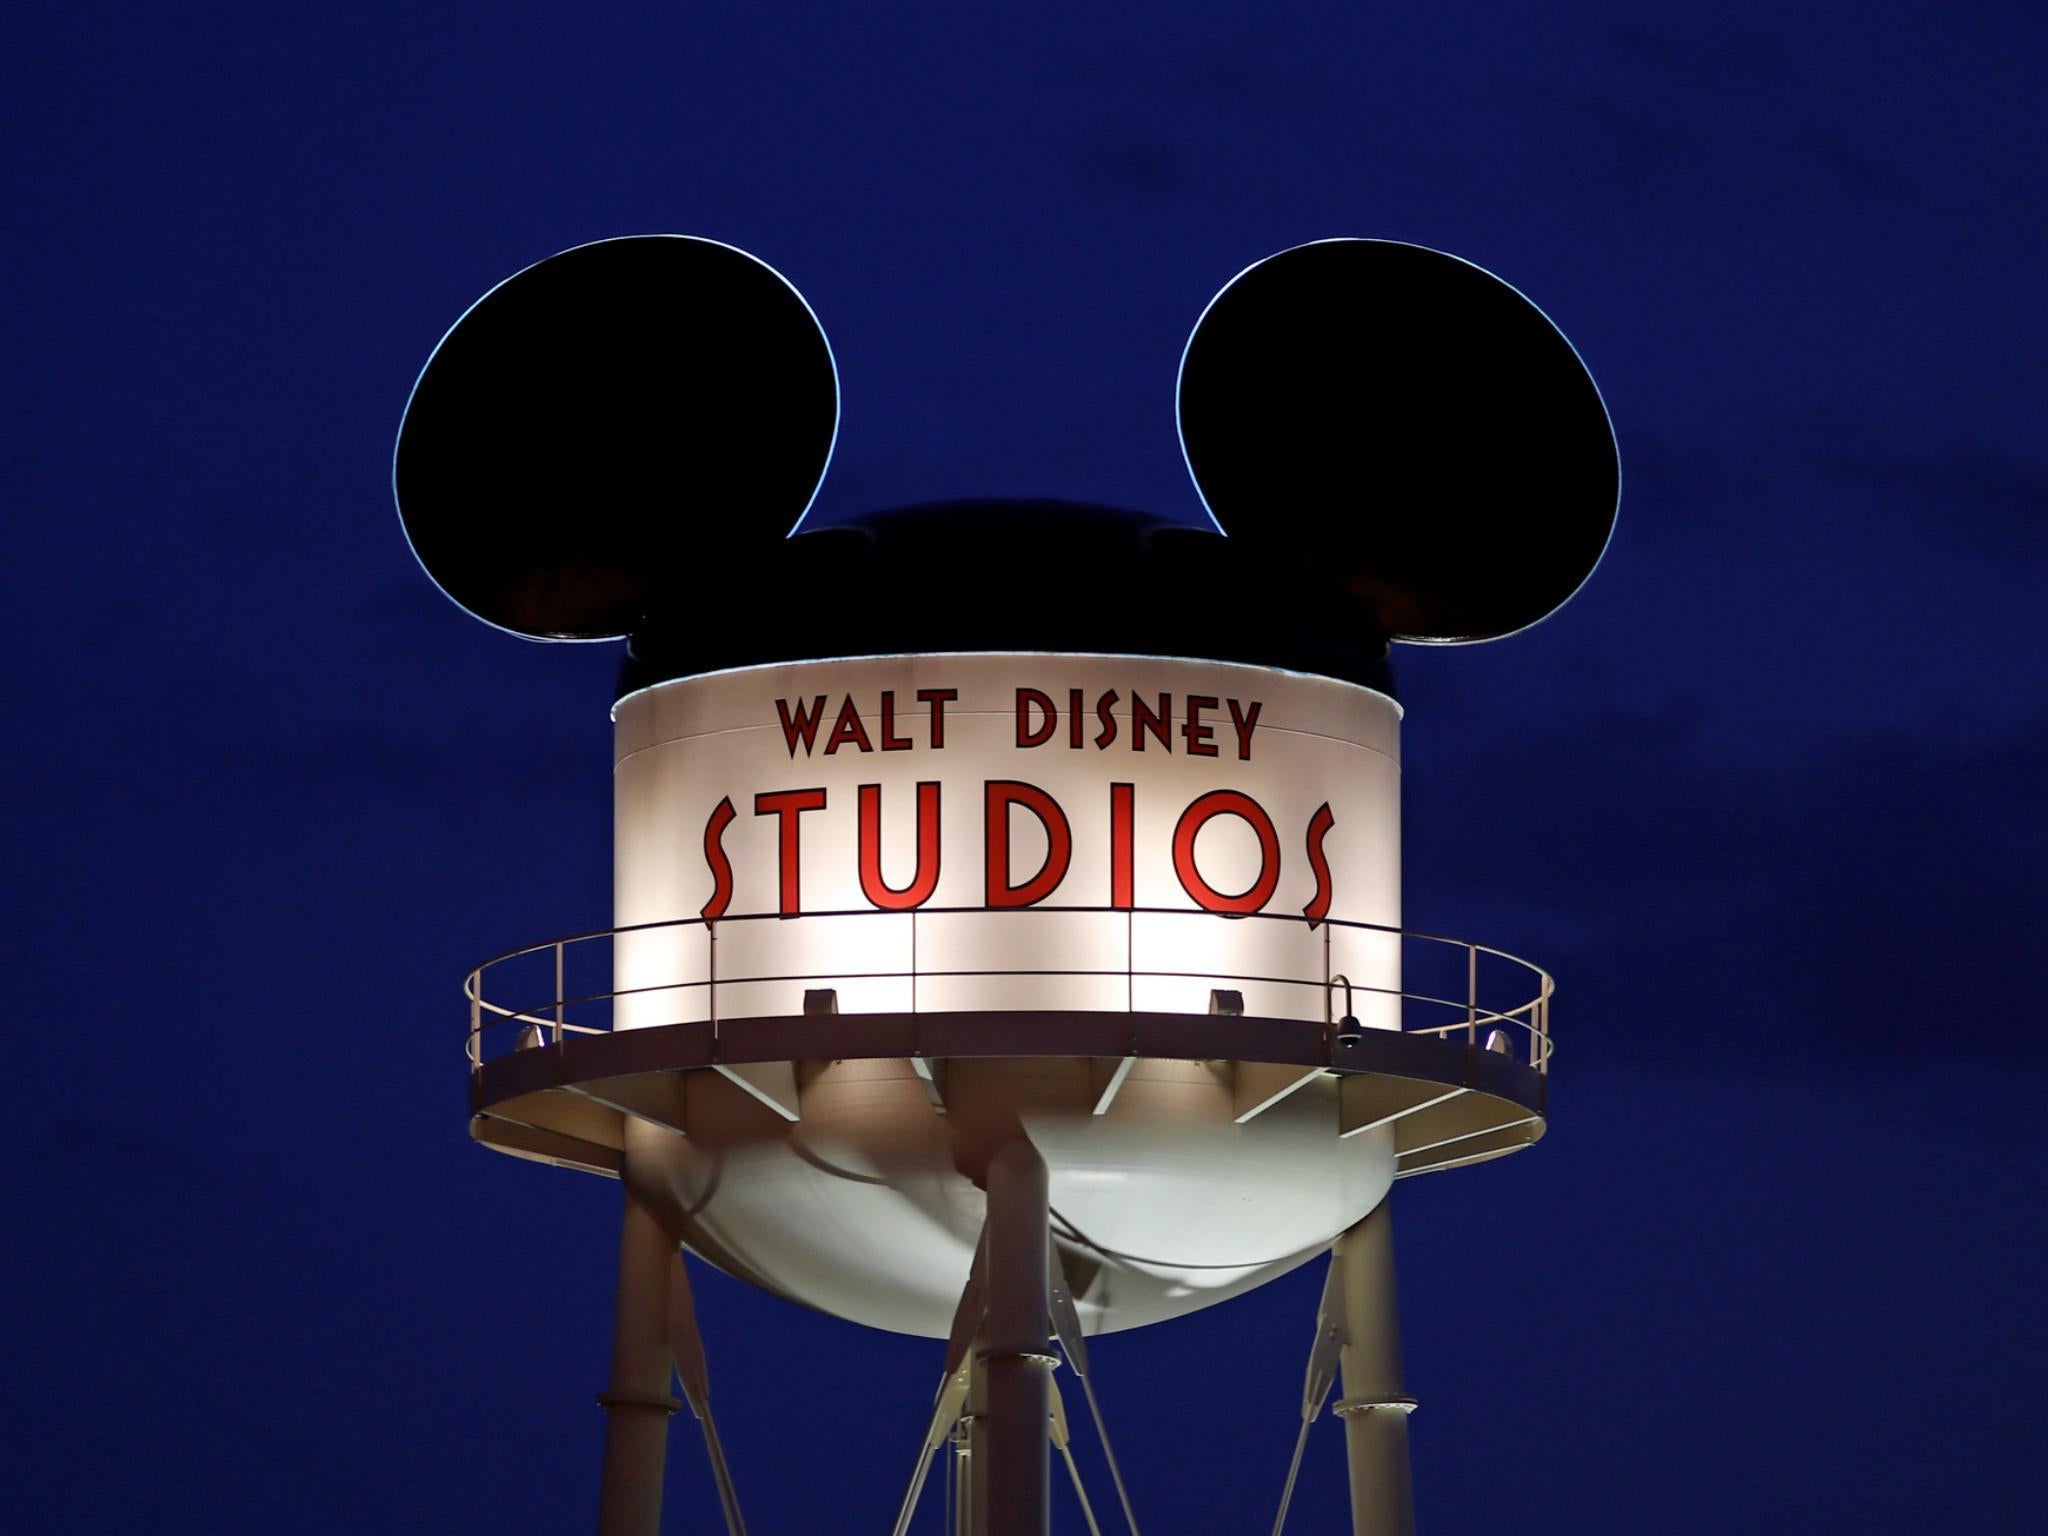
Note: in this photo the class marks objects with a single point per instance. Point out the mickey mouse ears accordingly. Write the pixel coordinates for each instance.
(1408, 421)
(603, 431)
(614, 435)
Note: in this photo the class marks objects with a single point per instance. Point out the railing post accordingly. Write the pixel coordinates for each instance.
(913, 959)
(1130, 961)
(1327, 1002)
(475, 1049)
(1471, 994)
(559, 992)
(711, 974)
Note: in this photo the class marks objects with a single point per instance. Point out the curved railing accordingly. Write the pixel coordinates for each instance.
(1518, 1024)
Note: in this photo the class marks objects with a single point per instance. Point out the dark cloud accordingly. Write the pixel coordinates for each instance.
(1873, 903)
(1131, 164)
(116, 1157)
(1984, 501)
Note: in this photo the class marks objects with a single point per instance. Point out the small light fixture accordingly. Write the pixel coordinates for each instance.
(1349, 1030)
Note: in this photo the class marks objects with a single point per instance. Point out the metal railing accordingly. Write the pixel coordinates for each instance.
(548, 1019)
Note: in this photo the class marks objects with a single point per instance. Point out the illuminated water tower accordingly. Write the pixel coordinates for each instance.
(1007, 942)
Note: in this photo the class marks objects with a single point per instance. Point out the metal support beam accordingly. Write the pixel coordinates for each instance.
(1315, 1387)
(656, 1097)
(1109, 1081)
(1256, 1086)
(1374, 1408)
(950, 1404)
(772, 1082)
(960, 1410)
(971, 1496)
(1011, 1452)
(1062, 1442)
(929, 1074)
(686, 1346)
(1367, 1101)
(1066, 1327)
(960, 1507)
(637, 1404)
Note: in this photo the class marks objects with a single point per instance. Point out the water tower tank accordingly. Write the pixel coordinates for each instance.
(1033, 865)
(960, 838)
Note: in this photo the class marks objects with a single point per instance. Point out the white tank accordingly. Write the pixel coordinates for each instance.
(903, 835)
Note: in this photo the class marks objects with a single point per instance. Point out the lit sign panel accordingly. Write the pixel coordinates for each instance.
(919, 828)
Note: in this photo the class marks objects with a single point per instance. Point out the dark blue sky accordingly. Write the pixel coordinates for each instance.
(1767, 797)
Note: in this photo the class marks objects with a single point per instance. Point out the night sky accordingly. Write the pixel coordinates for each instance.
(1767, 797)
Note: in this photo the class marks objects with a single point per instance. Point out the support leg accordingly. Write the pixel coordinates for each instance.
(1011, 1455)
(1374, 1409)
(637, 1404)
(972, 1494)
(686, 1348)
(1066, 1327)
(1063, 1443)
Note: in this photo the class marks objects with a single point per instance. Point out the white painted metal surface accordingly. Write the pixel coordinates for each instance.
(1250, 785)
(743, 788)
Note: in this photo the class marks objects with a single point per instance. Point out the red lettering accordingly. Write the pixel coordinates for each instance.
(997, 798)
(1122, 860)
(789, 804)
(847, 728)
(1226, 802)
(1029, 735)
(1245, 724)
(1196, 735)
(891, 742)
(926, 880)
(938, 699)
(714, 855)
(1104, 708)
(804, 727)
(1074, 721)
(1319, 826)
(1160, 723)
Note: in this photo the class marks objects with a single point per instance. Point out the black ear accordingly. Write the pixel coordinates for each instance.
(616, 429)
(1408, 422)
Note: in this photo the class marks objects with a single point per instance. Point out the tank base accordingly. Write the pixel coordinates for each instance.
(833, 1159)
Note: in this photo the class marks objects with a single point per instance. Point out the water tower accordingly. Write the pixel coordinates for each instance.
(1007, 944)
